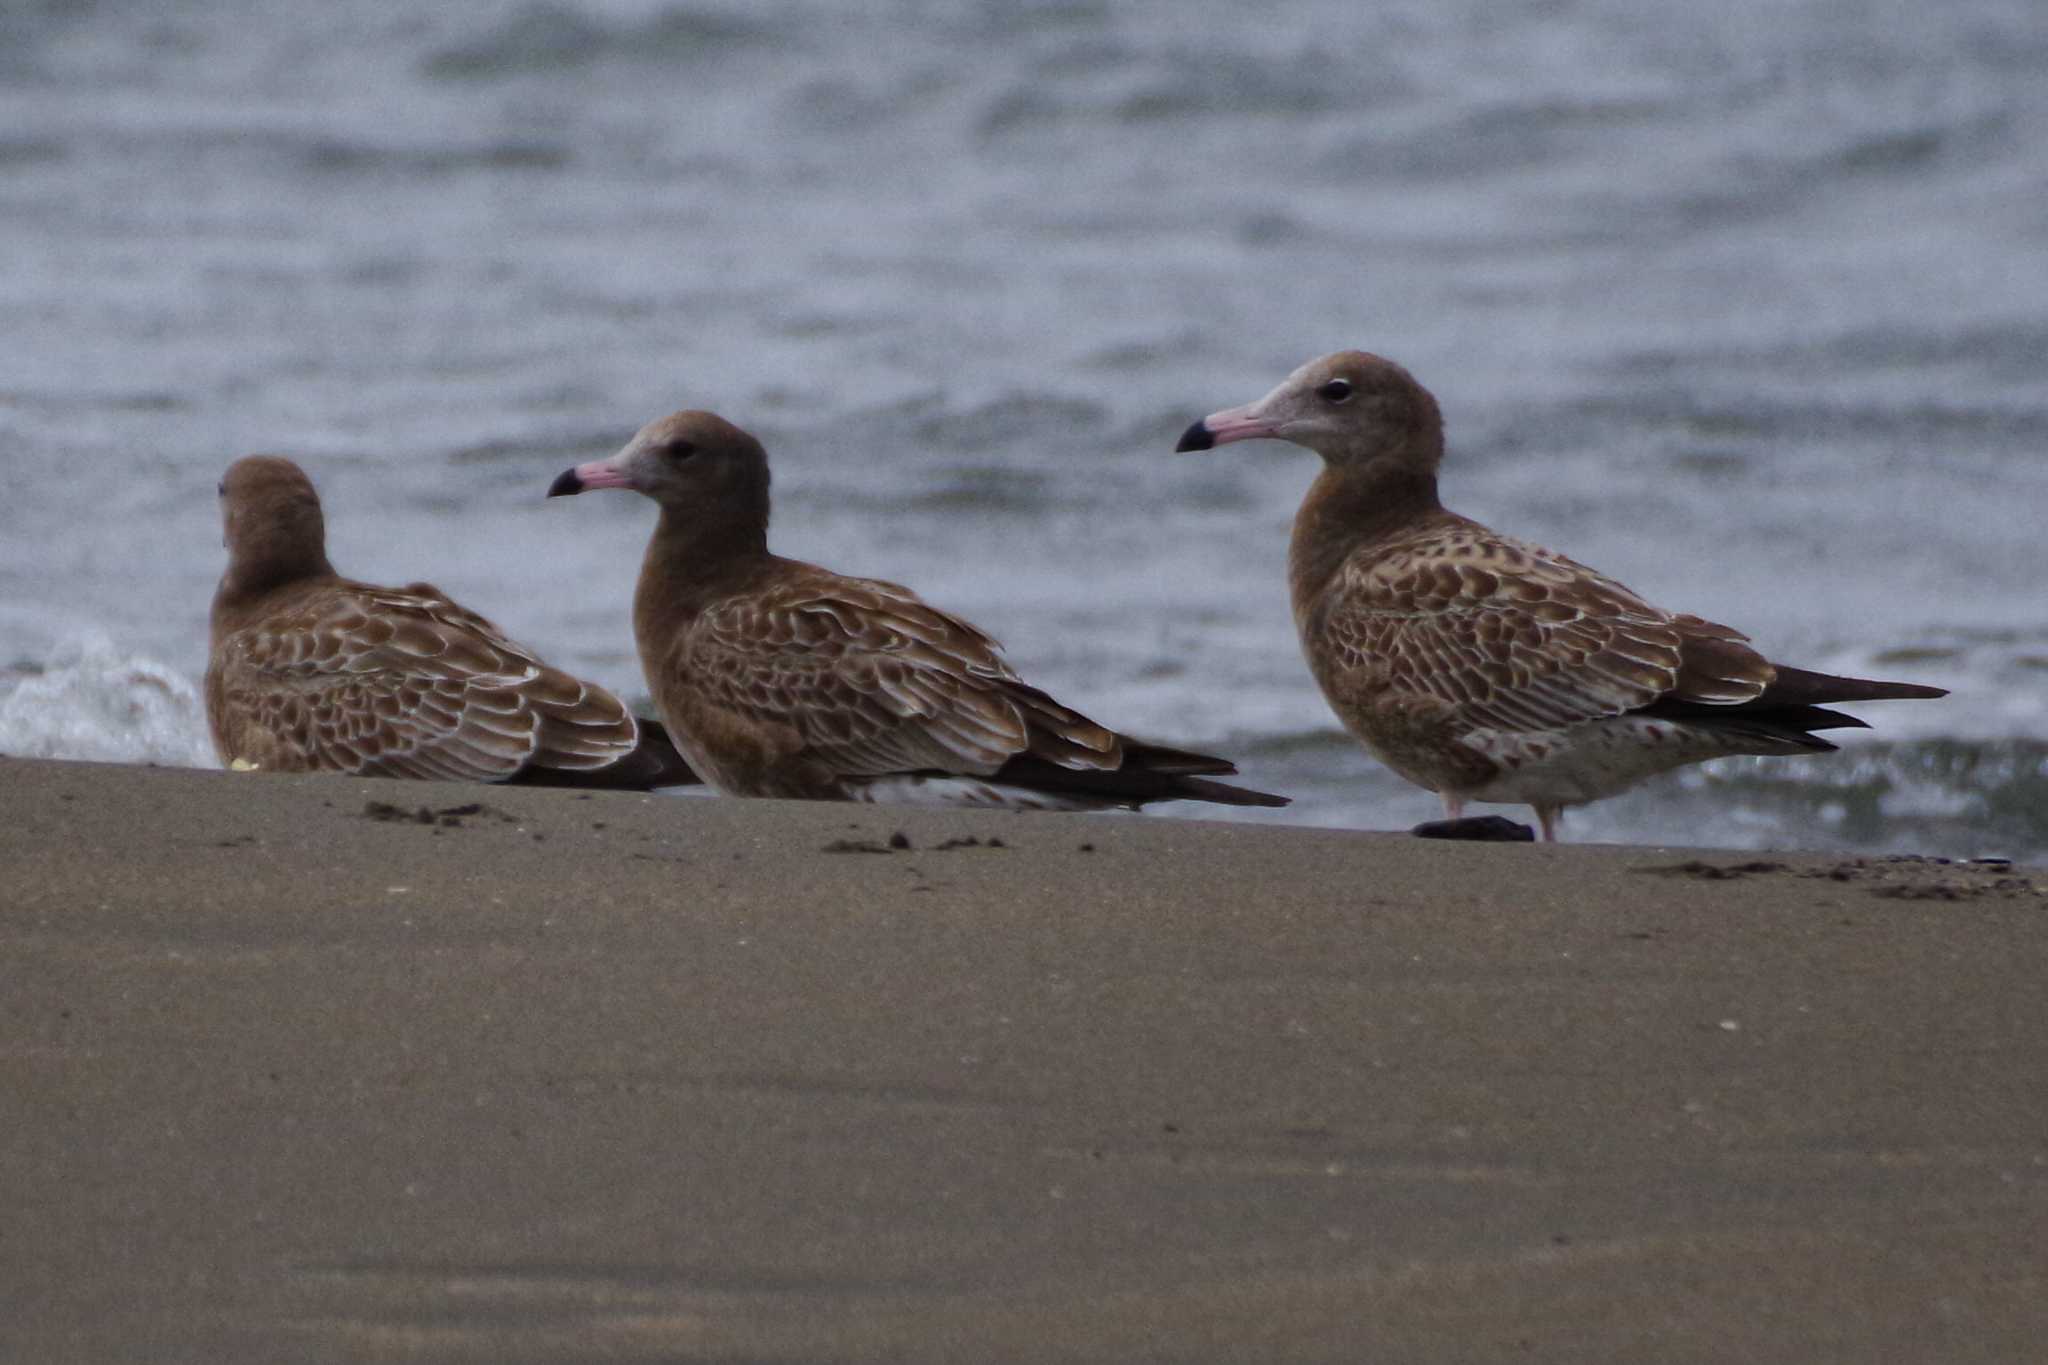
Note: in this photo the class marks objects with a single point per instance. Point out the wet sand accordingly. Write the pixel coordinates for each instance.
(296, 1073)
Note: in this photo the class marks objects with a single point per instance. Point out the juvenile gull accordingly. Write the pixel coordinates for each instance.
(310, 671)
(780, 678)
(1482, 667)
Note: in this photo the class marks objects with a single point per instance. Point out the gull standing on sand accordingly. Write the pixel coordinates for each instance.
(1485, 668)
(780, 678)
(310, 671)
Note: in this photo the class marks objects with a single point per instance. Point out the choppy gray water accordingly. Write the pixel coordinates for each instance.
(1745, 304)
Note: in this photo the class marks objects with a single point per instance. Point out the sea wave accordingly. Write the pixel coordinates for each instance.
(555, 37)
(1950, 797)
(1944, 796)
(97, 702)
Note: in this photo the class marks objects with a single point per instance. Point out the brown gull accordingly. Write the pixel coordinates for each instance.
(780, 678)
(1482, 667)
(310, 671)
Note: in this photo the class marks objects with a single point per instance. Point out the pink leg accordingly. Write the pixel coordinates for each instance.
(1546, 818)
(1454, 806)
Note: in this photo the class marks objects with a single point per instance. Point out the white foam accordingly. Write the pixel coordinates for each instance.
(97, 702)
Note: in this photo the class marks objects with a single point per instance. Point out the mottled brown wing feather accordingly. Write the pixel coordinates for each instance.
(404, 683)
(1514, 637)
(582, 726)
(875, 681)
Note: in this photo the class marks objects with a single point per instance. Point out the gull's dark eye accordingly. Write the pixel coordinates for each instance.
(678, 450)
(1334, 390)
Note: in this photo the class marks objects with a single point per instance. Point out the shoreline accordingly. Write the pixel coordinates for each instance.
(549, 1075)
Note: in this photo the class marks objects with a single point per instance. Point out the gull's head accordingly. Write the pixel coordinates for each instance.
(270, 519)
(1351, 408)
(688, 461)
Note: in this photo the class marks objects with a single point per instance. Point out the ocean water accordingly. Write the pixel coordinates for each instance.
(1746, 305)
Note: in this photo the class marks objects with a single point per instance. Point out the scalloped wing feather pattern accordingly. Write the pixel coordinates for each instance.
(1512, 636)
(875, 681)
(405, 683)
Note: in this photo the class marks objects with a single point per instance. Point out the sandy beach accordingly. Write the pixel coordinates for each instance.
(321, 1069)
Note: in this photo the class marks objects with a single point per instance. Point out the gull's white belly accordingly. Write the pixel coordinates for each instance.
(1586, 762)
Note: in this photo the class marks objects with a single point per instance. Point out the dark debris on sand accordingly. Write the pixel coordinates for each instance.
(446, 817)
(1713, 872)
(899, 842)
(857, 846)
(1900, 876)
(1915, 877)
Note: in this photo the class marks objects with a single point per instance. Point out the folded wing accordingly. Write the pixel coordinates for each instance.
(1512, 637)
(868, 680)
(405, 683)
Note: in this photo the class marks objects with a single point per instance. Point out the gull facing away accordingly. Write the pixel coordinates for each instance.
(1482, 667)
(779, 678)
(313, 672)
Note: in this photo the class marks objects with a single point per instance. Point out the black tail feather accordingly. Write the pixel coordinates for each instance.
(1803, 687)
(1178, 776)
(1784, 724)
(1159, 758)
(654, 762)
(1792, 707)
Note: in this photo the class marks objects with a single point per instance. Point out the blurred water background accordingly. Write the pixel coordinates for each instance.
(1745, 304)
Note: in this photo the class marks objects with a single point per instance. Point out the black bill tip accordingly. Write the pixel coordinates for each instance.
(1196, 437)
(565, 483)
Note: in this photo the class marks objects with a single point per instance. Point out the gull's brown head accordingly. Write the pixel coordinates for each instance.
(693, 463)
(1351, 408)
(271, 523)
